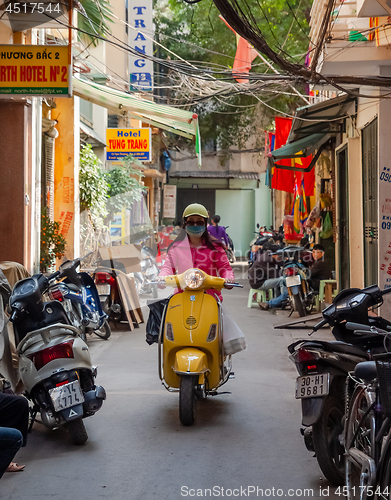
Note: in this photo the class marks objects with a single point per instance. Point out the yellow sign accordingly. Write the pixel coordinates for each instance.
(34, 70)
(121, 142)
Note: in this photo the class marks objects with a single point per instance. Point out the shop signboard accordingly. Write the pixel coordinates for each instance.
(141, 36)
(40, 70)
(169, 201)
(121, 142)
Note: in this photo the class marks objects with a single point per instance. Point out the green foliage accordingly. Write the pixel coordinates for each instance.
(284, 23)
(92, 183)
(104, 193)
(52, 242)
(124, 186)
(95, 21)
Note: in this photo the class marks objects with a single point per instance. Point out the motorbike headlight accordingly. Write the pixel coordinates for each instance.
(193, 278)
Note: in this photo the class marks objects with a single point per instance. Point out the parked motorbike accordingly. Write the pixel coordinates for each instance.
(191, 352)
(301, 295)
(54, 362)
(81, 301)
(324, 366)
(145, 280)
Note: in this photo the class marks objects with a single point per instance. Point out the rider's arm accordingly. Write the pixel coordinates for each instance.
(223, 266)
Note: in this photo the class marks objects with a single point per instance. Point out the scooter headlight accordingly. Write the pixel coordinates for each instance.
(193, 278)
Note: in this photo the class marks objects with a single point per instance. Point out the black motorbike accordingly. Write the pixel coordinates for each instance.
(323, 368)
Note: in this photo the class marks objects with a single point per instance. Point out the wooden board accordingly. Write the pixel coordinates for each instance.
(304, 319)
(130, 300)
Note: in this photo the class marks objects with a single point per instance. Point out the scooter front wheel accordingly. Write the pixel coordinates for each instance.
(187, 399)
(104, 331)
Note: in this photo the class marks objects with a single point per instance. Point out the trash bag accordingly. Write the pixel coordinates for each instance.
(233, 338)
(327, 229)
(156, 311)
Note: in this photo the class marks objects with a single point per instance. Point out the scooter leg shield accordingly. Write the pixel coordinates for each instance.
(190, 361)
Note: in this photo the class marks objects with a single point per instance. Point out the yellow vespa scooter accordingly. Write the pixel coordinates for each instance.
(191, 351)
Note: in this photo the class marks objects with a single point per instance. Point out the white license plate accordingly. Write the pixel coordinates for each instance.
(312, 386)
(293, 280)
(66, 395)
(103, 289)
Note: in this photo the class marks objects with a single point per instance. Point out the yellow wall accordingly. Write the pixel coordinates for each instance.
(66, 178)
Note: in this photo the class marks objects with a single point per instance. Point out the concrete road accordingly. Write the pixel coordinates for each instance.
(137, 449)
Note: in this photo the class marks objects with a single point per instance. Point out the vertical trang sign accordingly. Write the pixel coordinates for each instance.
(141, 40)
(169, 201)
(40, 70)
(121, 142)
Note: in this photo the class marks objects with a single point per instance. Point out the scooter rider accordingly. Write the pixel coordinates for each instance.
(194, 247)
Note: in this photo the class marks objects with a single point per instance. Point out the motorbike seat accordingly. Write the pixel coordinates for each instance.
(366, 370)
(347, 348)
(73, 287)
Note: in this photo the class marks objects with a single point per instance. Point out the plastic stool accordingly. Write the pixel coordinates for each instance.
(320, 298)
(261, 296)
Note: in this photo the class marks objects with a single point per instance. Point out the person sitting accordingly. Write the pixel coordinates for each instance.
(320, 269)
(265, 274)
(14, 416)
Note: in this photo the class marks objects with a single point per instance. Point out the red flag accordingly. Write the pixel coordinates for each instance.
(283, 180)
(245, 55)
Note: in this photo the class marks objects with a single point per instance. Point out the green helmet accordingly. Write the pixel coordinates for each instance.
(195, 209)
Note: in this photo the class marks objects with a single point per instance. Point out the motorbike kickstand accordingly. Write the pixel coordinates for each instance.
(33, 416)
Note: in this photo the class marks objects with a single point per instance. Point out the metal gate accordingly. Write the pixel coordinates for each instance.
(206, 197)
(371, 234)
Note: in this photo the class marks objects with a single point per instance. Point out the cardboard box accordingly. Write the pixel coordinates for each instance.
(127, 255)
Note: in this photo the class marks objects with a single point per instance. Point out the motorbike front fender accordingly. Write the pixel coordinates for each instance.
(190, 361)
(294, 289)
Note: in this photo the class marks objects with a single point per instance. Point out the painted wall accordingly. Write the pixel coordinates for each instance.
(236, 209)
(263, 204)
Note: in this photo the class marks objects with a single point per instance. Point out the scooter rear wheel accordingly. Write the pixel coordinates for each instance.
(187, 399)
(77, 431)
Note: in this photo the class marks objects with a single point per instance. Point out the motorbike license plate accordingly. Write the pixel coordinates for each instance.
(293, 280)
(103, 289)
(66, 395)
(312, 386)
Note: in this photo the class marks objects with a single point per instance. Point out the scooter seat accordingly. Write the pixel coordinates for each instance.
(347, 348)
(366, 370)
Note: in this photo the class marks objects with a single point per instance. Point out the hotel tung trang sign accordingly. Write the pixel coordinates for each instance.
(121, 142)
(40, 70)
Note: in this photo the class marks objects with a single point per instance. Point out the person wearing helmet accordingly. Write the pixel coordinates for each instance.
(195, 247)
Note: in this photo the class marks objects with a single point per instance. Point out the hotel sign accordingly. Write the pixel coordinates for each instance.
(40, 70)
(121, 142)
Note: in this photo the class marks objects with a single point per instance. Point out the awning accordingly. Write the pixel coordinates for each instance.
(301, 149)
(88, 135)
(177, 121)
(228, 174)
(312, 127)
(322, 117)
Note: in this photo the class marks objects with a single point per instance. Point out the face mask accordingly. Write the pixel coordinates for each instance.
(195, 230)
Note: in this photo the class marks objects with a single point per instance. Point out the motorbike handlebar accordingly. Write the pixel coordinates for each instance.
(319, 325)
(384, 292)
(357, 326)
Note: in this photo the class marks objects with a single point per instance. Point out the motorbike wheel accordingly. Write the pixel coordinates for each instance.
(154, 290)
(359, 434)
(77, 431)
(298, 304)
(328, 449)
(187, 399)
(104, 331)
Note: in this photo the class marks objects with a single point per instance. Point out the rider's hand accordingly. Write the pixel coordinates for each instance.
(161, 282)
(228, 285)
